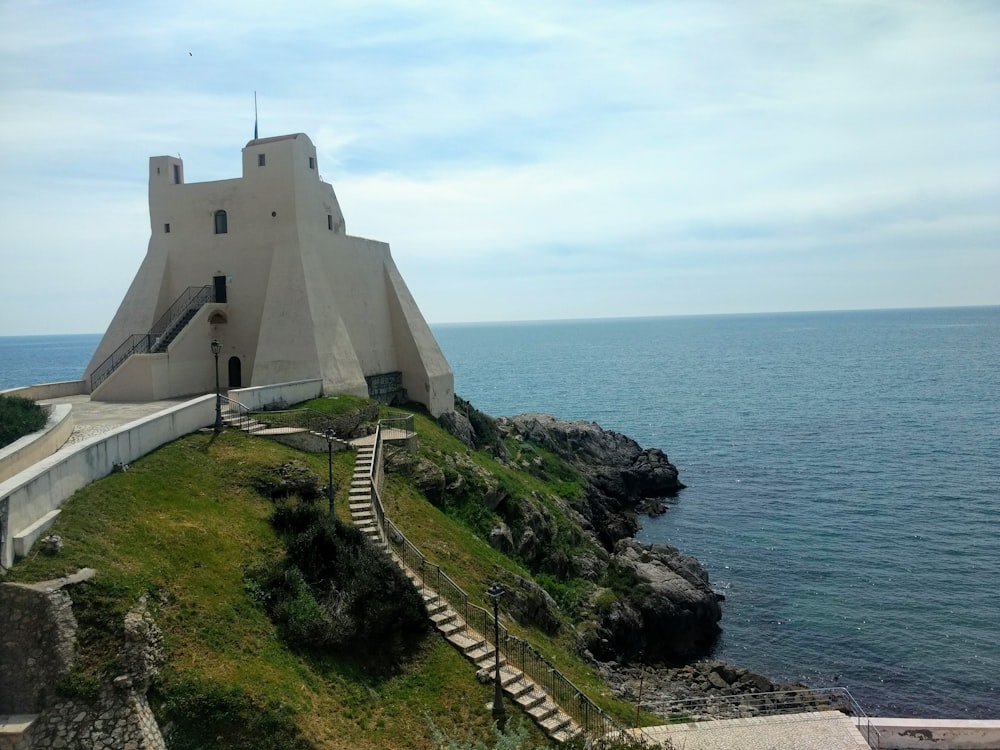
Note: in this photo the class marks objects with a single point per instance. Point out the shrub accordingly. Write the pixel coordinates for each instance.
(336, 590)
(19, 417)
(196, 713)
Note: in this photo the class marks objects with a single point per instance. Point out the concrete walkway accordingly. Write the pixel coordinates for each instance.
(819, 730)
(92, 418)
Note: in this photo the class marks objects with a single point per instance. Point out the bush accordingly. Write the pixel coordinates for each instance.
(19, 417)
(196, 713)
(335, 590)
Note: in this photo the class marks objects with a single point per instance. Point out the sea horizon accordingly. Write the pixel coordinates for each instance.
(840, 470)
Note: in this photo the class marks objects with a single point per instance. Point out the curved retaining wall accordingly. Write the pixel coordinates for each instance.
(31, 500)
(32, 448)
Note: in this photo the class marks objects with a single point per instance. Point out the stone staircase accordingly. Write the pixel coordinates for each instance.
(534, 701)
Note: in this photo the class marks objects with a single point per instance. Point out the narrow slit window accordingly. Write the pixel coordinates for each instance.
(221, 222)
(166, 228)
(260, 160)
(329, 222)
(312, 162)
(177, 174)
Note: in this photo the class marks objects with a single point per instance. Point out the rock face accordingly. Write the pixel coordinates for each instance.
(623, 478)
(671, 617)
(683, 689)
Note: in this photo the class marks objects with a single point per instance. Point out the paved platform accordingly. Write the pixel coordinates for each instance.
(819, 730)
(92, 418)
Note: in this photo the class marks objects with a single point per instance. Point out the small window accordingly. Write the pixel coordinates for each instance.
(221, 223)
(312, 162)
(157, 170)
(329, 222)
(177, 174)
(260, 160)
(166, 228)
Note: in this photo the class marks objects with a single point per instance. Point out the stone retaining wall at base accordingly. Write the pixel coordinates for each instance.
(37, 651)
(937, 734)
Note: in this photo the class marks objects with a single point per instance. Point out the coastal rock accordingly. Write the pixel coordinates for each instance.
(622, 476)
(671, 614)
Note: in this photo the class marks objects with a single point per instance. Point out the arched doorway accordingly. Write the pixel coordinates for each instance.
(235, 373)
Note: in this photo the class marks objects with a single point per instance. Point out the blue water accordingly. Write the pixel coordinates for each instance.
(29, 360)
(843, 475)
(842, 470)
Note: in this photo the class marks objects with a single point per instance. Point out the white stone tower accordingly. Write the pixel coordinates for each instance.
(263, 264)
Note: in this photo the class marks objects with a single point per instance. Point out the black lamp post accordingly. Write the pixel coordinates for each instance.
(494, 592)
(329, 435)
(216, 348)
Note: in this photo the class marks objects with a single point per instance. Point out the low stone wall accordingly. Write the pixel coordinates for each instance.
(37, 642)
(32, 448)
(937, 734)
(48, 390)
(37, 651)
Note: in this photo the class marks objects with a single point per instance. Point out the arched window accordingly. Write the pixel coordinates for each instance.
(221, 222)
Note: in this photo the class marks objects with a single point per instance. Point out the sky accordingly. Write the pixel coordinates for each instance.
(525, 160)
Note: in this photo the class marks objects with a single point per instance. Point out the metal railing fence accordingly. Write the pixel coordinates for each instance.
(143, 343)
(591, 718)
(745, 705)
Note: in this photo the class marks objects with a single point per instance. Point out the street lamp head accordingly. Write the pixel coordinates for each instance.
(330, 435)
(216, 347)
(495, 591)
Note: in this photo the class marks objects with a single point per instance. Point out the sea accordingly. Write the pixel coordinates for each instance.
(842, 472)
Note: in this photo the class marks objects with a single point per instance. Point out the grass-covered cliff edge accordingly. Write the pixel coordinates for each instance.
(190, 528)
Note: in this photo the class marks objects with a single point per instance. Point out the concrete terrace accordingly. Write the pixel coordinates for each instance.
(815, 730)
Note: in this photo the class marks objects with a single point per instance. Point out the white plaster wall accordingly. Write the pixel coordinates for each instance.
(32, 448)
(937, 734)
(261, 397)
(48, 390)
(305, 300)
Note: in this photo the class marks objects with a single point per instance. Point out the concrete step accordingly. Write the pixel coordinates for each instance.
(360, 506)
(451, 627)
(542, 711)
(533, 697)
(443, 616)
(556, 722)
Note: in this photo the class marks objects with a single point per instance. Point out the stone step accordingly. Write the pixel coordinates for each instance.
(542, 711)
(451, 627)
(443, 616)
(566, 733)
(360, 506)
(519, 687)
(533, 697)
(555, 723)
(489, 662)
(463, 641)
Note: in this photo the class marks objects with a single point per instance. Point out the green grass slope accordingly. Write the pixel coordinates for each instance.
(185, 524)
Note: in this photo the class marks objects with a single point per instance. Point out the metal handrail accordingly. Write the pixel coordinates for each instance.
(591, 718)
(744, 705)
(143, 343)
(192, 297)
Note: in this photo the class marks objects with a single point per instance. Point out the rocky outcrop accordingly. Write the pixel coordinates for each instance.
(622, 477)
(671, 615)
(683, 689)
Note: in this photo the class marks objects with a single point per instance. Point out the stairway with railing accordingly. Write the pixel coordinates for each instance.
(558, 706)
(159, 336)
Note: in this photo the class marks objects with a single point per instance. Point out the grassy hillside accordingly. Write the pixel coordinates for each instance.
(185, 524)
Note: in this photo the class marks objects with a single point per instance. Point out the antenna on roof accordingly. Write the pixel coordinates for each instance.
(255, 115)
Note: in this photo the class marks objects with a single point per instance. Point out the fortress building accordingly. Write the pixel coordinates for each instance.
(264, 265)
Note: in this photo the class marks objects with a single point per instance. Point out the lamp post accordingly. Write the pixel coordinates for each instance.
(494, 592)
(329, 435)
(216, 348)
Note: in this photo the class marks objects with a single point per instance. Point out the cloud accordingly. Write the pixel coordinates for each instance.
(533, 161)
